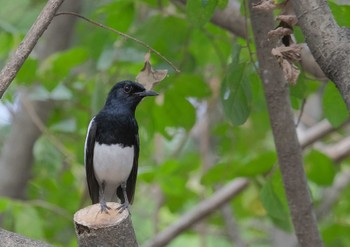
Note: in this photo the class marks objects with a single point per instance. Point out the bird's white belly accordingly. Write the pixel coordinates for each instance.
(112, 165)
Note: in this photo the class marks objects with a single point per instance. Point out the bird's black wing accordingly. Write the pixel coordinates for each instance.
(131, 183)
(89, 162)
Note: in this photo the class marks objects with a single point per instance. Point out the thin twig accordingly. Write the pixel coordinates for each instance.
(245, 7)
(127, 36)
(301, 112)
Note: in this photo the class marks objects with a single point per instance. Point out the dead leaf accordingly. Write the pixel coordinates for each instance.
(148, 76)
(280, 32)
(291, 52)
(286, 56)
(265, 5)
(290, 71)
(291, 20)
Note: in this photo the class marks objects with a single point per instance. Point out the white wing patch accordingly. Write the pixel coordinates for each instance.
(86, 138)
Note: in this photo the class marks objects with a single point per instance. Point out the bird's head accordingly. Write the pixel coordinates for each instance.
(128, 93)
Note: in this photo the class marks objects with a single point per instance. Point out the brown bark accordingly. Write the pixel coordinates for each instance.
(283, 128)
(94, 228)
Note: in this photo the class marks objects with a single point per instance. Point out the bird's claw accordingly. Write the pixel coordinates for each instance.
(104, 208)
(122, 207)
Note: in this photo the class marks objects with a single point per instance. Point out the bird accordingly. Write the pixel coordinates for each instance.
(112, 147)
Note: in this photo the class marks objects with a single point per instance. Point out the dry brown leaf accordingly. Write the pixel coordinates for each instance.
(290, 71)
(291, 52)
(265, 5)
(149, 77)
(280, 32)
(286, 56)
(291, 20)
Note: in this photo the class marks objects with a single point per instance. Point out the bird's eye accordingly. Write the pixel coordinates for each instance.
(127, 88)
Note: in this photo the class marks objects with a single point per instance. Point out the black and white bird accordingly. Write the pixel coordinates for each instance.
(112, 146)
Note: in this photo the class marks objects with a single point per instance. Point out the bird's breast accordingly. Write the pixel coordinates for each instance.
(113, 163)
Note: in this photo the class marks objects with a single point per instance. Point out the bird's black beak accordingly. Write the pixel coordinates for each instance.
(147, 93)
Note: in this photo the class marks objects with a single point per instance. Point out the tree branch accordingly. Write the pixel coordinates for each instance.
(283, 128)
(10, 239)
(329, 43)
(202, 210)
(316, 132)
(9, 72)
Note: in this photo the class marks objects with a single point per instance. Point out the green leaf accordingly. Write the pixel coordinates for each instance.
(274, 201)
(27, 73)
(29, 223)
(336, 234)
(258, 166)
(199, 12)
(218, 174)
(334, 107)
(341, 13)
(113, 12)
(190, 85)
(319, 168)
(177, 111)
(236, 94)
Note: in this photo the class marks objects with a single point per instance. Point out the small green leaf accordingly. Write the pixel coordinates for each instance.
(236, 94)
(334, 107)
(274, 201)
(199, 12)
(336, 234)
(341, 13)
(178, 111)
(258, 166)
(190, 85)
(218, 174)
(319, 168)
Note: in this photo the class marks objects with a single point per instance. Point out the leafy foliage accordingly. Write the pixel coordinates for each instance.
(208, 126)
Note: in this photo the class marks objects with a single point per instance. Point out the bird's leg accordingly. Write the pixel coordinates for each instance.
(126, 203)
(103, 204)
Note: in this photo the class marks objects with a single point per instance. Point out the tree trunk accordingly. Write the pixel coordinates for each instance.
(96, 228)
(283, 128)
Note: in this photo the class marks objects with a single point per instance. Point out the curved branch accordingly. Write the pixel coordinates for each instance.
(9, 72)
(127, 36)
(203, 209)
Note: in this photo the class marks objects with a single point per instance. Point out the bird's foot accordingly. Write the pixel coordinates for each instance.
(104, 207)
(122, 207)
